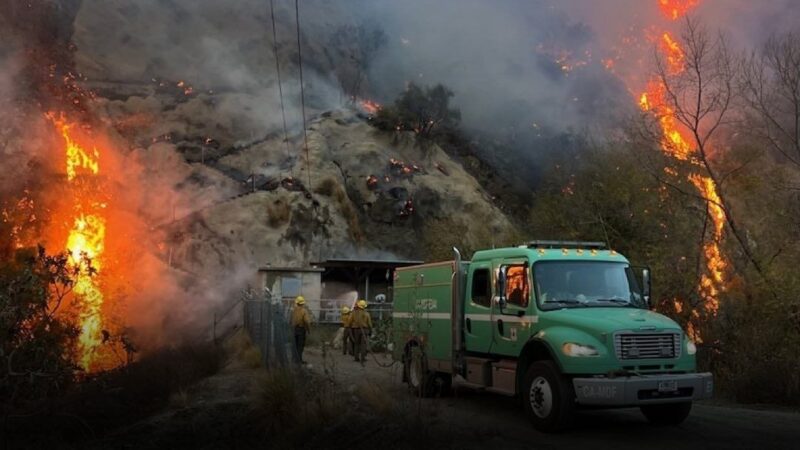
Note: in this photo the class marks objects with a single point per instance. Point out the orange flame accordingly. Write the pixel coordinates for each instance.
(85, 244)
(675, 144)
(673, 52)
(675, 9)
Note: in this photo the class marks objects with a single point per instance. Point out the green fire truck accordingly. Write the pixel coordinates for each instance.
(561, 324)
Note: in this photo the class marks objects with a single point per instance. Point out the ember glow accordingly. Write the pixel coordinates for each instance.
(369, 106)
(675, 9)
(677, 145)
(85, 243)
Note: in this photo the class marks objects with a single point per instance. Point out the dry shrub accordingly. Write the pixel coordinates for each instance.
(755, 350)
(327, 187)
(279, 212)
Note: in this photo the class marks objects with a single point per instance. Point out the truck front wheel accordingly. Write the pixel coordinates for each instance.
(667, 414)
(548, 397)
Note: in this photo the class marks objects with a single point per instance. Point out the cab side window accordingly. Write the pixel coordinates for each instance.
(518, 290)
(481, 288)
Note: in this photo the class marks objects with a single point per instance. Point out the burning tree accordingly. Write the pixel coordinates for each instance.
(690, 102)
(424, 111)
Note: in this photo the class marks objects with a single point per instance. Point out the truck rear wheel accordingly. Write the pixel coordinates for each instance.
(421, 381)
(668, 413)
(548, 397)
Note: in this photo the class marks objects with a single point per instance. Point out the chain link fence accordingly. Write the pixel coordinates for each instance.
(267, 324)
(265, 319)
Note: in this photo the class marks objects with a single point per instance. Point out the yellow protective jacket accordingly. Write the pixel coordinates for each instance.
(347, 319)
(301, 317)
(360, 319)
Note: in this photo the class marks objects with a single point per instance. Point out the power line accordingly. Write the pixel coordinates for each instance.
(302, 90)
(280, 86)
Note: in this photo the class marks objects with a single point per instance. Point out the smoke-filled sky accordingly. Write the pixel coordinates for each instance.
(500, 57)
(515, 66)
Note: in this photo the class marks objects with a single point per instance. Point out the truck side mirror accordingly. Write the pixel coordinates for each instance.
(646, 285)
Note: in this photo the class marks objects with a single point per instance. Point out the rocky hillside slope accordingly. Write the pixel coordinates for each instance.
(201, 108)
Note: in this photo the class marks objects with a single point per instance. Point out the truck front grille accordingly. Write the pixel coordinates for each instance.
(647, 345)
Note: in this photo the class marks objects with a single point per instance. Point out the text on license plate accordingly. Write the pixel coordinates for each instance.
(667, 386)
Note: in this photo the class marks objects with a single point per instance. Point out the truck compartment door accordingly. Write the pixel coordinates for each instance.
(477, 308)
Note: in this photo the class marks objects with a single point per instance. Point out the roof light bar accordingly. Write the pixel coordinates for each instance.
(566, 244)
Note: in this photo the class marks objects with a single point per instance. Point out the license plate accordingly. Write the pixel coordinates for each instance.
(667, 386)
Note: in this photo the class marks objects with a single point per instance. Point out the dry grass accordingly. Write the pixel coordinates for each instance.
(292, 406)
(278, 400)
(376, 399)
(242, 352)
(179, 399)
(349, 214)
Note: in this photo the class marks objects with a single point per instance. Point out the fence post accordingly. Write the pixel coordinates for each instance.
(270, 335)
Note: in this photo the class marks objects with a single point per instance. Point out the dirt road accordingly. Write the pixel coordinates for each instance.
(483, 418)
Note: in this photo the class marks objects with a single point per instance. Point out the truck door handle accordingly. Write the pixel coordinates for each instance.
(500, 327)
(469, 326)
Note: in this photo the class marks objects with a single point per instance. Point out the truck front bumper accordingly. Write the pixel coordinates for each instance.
(643, 389)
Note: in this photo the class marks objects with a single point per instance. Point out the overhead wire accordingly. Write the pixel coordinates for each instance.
(302, 91)
(280, 84)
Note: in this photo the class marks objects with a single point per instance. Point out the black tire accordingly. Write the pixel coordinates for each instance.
(421, 381)
(548, 397)
(668, 413)
(443, 384)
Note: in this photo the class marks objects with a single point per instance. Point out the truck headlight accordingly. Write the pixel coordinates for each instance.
(691, 348)
(572, 349)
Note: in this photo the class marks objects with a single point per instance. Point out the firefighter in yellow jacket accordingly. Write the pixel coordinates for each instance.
(361, 324)
(347, 335)
(301, 324)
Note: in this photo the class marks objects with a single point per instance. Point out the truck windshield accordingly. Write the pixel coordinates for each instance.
(575, 284)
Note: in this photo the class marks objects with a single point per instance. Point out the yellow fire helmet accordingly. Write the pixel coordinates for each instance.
(361, 304)
(300, 300)
(345, 310)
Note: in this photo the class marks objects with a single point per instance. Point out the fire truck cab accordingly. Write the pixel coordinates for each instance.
(563, 325)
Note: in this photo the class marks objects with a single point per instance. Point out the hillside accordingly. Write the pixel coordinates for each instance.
(203, 109)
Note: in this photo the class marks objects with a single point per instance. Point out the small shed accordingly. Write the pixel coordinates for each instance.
(345, 280)
(286, 283)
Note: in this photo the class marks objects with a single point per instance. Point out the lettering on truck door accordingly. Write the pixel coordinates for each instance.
(477, 309)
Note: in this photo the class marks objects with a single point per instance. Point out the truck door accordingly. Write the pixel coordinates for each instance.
(478, 308)
(511, 327)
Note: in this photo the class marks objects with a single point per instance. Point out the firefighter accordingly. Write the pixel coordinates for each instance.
(301, 324)
(347, 336)
(361, 324)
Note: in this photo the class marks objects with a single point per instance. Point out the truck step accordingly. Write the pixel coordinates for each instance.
(504, 377)
(478, 371)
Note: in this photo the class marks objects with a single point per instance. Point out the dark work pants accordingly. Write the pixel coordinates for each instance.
(299, 343)
(347, 341)
(360, 343)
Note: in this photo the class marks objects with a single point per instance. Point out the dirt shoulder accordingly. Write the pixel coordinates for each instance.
(335, 402)
(474, 419)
